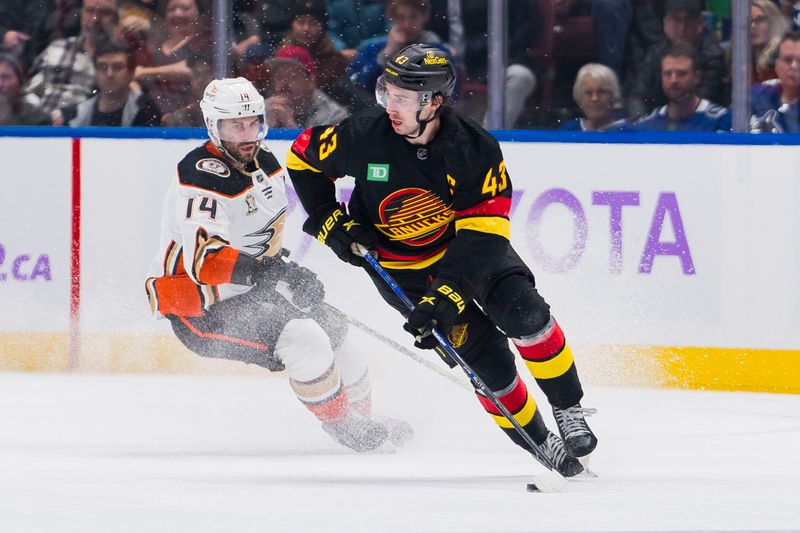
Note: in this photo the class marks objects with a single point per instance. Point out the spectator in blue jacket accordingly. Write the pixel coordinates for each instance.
(774, 102)
(685, 110)
(682, 23)
(408, 18)
(352, 21)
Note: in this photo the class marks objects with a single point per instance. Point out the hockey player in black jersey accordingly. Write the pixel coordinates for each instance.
(223, 281)
(432, 198)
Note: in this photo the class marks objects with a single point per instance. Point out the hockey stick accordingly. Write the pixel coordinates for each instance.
(399, 347)
(551, 481)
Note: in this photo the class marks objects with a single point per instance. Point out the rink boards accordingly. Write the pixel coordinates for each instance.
(666, 264)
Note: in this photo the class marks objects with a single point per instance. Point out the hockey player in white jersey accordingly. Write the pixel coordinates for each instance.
(222, 278)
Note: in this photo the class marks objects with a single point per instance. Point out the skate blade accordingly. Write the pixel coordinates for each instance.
(587, 472)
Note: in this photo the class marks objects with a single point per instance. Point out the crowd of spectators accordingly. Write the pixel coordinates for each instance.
(633, 65)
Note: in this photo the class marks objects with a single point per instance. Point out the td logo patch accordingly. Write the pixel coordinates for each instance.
(377, 172)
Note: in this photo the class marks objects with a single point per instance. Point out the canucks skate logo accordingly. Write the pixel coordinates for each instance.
(251, 204)
(414, 216)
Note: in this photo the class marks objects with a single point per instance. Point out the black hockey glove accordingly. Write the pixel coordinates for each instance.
(267, 271)
(332, 226)
(307, 290)
(439, 308)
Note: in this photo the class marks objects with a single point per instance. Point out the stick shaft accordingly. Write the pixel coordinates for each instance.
(474, 378)
(399, 347)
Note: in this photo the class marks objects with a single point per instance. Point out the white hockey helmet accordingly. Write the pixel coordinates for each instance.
(231, 98)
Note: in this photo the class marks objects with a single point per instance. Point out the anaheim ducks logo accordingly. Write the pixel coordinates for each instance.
(414, 216)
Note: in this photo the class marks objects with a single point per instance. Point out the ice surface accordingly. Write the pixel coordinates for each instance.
(189, 454)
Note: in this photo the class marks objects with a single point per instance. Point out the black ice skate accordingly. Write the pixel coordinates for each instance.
(553, 448)
(578, 438)
(357, 433)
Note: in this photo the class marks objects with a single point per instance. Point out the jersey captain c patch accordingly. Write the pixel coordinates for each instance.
(213, 166)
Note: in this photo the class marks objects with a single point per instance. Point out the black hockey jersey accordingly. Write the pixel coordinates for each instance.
(446, 201)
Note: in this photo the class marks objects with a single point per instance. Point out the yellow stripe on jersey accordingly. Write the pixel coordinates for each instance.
(523, 416)
(552, 368)
(412, 265)
(495, 225)
(295, 163)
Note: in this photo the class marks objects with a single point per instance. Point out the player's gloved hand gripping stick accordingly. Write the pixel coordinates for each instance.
(550, 481)
(336, 229)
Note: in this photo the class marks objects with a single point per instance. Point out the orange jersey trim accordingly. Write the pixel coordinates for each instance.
(218, 266)
(175, 295)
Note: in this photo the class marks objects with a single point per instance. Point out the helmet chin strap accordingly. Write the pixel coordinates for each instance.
(424, 123)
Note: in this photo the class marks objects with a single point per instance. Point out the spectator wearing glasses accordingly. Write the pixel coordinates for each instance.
(774, 102)
(597, 93)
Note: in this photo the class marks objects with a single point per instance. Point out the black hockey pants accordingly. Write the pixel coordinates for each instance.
(246, 327)
(510, 307)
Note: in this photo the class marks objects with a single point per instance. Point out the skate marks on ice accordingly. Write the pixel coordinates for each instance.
(167, 453)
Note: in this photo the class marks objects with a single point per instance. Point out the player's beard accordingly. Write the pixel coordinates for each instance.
(235, 151)
(678, 95)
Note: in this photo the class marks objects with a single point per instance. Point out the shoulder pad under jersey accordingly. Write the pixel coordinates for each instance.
(267, 161)
(203, 169)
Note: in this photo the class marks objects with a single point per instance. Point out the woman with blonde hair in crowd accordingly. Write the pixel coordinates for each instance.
(767, 26)
(597, 93)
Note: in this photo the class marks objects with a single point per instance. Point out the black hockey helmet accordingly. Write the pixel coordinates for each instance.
(422, 67)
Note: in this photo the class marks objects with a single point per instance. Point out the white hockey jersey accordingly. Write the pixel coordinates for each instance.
(216, 221)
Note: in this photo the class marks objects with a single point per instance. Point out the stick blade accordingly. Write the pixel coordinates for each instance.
(550, 481)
